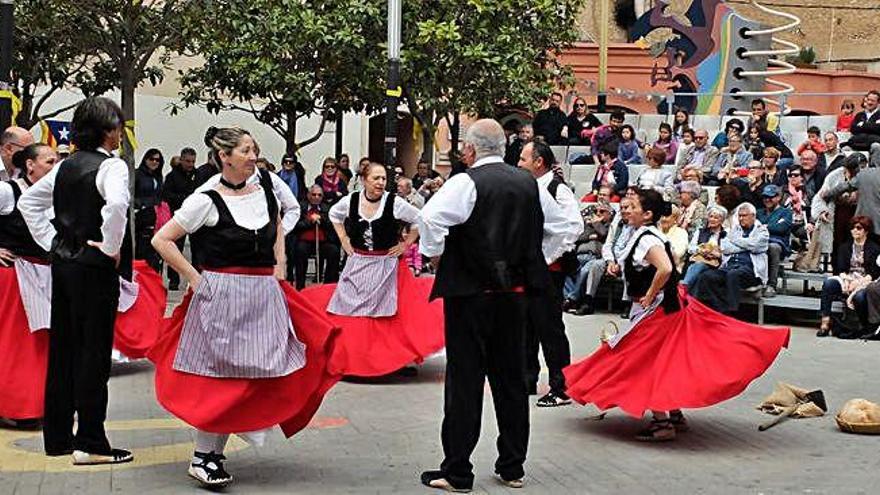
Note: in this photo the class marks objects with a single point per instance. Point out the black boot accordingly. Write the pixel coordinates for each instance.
(587, 307)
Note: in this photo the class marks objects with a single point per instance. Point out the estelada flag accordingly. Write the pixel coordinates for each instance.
(55, 133)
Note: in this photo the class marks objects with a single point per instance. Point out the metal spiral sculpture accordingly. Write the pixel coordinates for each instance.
(775, 66)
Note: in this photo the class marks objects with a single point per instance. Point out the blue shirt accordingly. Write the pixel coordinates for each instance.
(289, 178)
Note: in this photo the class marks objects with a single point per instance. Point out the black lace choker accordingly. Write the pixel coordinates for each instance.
(230, 185)
(367, 197)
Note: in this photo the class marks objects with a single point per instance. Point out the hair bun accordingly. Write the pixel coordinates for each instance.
(19, 159)
(209, 136)
(665, 209)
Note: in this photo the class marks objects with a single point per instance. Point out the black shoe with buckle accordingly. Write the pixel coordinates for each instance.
(554, 399)
(209, 469)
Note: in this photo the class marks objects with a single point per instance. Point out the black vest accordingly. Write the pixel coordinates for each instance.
(498, 248)
(385, 229)
(704, 234)
(78, 219)
(639, 279)
(229, 244)
(14, 233)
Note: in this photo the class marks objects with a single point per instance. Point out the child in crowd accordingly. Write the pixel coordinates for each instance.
(813, 142)
(847, 115)
(628, 149)
(666, 142)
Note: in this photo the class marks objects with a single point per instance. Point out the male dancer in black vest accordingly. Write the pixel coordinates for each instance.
(488, 225)
(90, 196)
(544, 324)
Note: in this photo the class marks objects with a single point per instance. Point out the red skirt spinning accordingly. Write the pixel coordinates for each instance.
(238, 405)
(24, 355)
(138, 328)
(692, 358)
(376, 346)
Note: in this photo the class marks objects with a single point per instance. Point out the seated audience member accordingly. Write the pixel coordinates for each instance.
(832, 216)
(677, 236)
(777, 219)
(588, 248)
(608, 134)
(549, 122)
(762, 117)
(331, 182)
(611, 172)
(431, 186)
(685, 144)
(511, 155)
(666, 142)
(743, 263)
(772, 173)
(423, 173)
(733, 126)
(732, 162)
(771, 140)
(692, 173)
(833, 157)
(705, 245)
(613, 249)
(405, 190)
(693, 213)
(629, 147)
(855, 268)
(865, 127)
(752, 185)
(753, 144)
(581, 124)
(655, 176)
(846, 116)
(794, 197)
(813, 174)
(813, 142)
(314, 229)
(702, 155)
(681, 122)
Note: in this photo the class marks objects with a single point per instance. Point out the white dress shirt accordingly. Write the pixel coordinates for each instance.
(7, 198)
(4, 175)
(112, 183)
(453, 204)
(569, 206)
(286, 200)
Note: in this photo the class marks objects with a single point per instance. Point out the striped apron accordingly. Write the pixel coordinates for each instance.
(238, 326)
(367, 286)
(35, 286)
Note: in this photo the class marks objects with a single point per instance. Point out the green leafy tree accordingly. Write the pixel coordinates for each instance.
(50, 53)
(283, 60)
(476, 55)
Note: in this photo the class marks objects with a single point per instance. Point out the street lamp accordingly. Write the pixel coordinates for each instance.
(604, 19)
(6, 30)
(392, 89)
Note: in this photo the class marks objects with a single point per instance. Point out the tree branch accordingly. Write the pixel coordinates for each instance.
(317, 134)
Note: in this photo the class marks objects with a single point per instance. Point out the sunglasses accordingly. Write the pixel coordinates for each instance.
(579, 105)
(858, 227)
(329, 167)
(796, 174)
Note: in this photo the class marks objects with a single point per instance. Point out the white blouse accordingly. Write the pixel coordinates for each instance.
(402, 210)
(249, 211)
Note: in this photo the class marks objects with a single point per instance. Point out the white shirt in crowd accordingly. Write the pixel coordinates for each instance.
(570, 209)
(454, 202)
(403, 211)
(7, 197)
(112, 183)
(286, 200)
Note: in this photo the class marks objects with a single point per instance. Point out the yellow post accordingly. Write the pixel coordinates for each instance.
(604, 19)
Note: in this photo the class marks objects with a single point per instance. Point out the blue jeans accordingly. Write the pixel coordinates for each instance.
(574, 284)
(831, 291)
(693, 272)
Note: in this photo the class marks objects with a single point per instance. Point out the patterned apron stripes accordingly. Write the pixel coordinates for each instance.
(367, 287)
(238, 326)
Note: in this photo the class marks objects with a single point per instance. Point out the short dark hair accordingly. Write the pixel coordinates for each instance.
(609, 149)
(874, 92)
(187, 151)
(542, 150)
(617, 115)
(759, 102)
(556, 93)
(795, 168)
(92, 120)
(864, 221)
(854, 162)
(653, 201)
(734, 122)
(814, 130)
(687, 130)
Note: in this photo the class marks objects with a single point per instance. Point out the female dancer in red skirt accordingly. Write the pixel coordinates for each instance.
(243, 352)
(386, 319)
(26, 300)
(675, 353)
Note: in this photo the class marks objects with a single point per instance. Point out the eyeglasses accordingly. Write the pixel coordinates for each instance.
(858, 226)
(701, 137)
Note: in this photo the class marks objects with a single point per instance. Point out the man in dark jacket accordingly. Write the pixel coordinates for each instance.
(179, 184)
(314, 233)
(865, 128)
(550, 121)
(778, 220)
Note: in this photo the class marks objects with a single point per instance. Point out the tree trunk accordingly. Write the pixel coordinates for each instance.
(290, 134)
(128, 88)
(454, 130)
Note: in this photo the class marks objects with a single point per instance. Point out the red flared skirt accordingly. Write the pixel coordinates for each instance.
(688, 359)
(376, 346)
(138, 328)
(237, 405)
(24, 355)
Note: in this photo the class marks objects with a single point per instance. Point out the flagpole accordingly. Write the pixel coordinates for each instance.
(6, 31)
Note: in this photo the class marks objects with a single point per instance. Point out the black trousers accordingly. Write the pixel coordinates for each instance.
(329, 259)
(173, 276)
(143, 250)
(485, 337)
(546, 329)
(84, 301)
